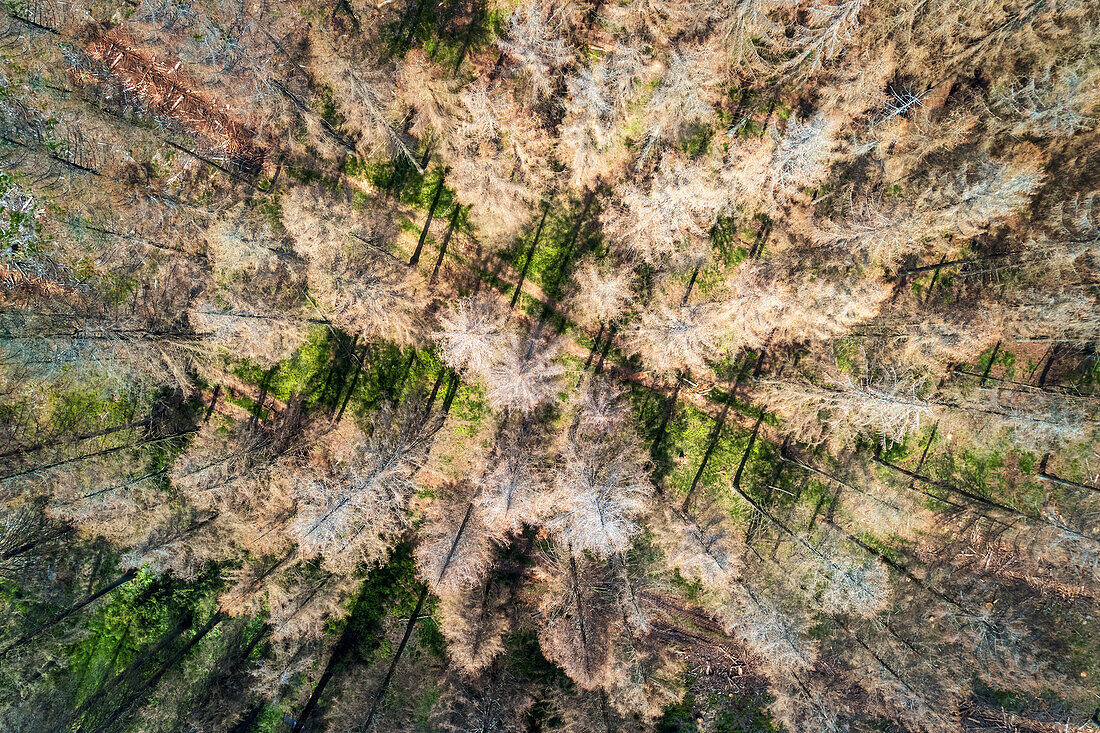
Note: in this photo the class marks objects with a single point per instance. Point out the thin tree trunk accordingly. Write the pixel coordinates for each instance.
(396, 658)
(981, 500)
(897, 566)
(813, 469)
(530, 256)
(428, 224)
(98, 454)
(715, 435)
(446, 241)
(151, 683)
(31, 544)
(121, 580)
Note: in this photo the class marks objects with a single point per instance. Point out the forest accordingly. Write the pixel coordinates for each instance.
(549, 366)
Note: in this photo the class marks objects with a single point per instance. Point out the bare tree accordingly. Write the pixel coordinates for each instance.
(353, 512)
(579, 623)
(526, 375)
(1053, 102)
(603, 483)
(683, 97)
(891, 408)
(513, 489)
(596, 109)
(536, 41)
(776, 635)
(802, 157)
(700, 544)
(976, 199)
(672, 219)
(473, 335)
(601, 294)
(678, 337)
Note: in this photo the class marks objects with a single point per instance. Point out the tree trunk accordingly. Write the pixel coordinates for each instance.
(670, 405)
(354, 381)
(748, 451)
(213, 404)
(123, 709)
(428, 224)
(580, 614)
(530, 255)
(606, 347)
(23, 450)
(690, 286)
(452, 390)
(1045, 476)
(446, 241)
(715, 435)
(396, 657)
(989, 366)
(467, 40)
(121, 580)
(129, 670)
(1050, 362)
(595, 346)
(412, 622)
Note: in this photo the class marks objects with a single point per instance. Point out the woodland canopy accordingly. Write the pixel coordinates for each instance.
(549, 366)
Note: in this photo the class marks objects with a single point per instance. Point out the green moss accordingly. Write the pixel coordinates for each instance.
(422, 709)
(696, 139)
(678, 718)
(845, 351)
(247, 403)
(272, 719)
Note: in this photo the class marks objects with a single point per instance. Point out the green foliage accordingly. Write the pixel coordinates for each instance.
(744, 713)
(140, 626)
(679, 718)
(566, 236)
